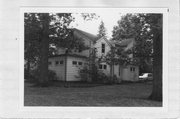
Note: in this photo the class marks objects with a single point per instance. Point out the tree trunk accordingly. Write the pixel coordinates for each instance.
(157, 67)
(28, 69)
(43, 79)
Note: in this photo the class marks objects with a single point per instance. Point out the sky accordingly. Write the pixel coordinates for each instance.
(110, 20)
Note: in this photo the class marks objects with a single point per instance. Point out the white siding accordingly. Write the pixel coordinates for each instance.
(59, 69)
(128, 75)
(98, 47)
(73, 70)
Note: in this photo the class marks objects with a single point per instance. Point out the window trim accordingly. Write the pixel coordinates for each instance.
(103, 48)
(80, 63)
(132, 69)
(105, 66)
(74, 62)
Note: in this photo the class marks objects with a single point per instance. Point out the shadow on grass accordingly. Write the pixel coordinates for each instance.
(80, 84)
(72, 84)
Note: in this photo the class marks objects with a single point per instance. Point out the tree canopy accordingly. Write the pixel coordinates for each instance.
(102, 30)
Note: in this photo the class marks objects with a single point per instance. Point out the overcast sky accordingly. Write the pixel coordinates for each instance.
(110, 19)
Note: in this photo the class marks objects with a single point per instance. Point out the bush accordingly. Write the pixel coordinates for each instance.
(52, 75)
(97, 76)
(84, 74)
(34, 76)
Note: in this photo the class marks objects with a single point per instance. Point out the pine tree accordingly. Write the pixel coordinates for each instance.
(102, 30)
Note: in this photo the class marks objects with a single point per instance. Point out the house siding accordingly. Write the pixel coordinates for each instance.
(128, 75)
(98, 47)
(72, 73)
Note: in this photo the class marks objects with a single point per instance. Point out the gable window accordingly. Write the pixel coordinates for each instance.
(132, 69)
(103, 48)
(79, 63)
(74, 62)
(61, 62)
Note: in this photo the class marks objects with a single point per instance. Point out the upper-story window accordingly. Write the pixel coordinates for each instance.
(103, 48)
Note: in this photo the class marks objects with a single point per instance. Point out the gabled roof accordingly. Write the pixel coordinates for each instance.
(80, 33)
(107, 41)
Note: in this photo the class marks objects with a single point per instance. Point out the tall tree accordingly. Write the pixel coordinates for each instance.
(48, 31)
(147, 31)
(102, 30)
(135, 26)
(43, 79)
(156, 28)
(32, 41)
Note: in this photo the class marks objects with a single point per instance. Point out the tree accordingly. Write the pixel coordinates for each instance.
(48, 31)
(156, 28)
(32, 41)
(102, 30)
(147, 31)
(135, 26)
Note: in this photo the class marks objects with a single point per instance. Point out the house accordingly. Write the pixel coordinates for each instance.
(67, 65)
(122, 72)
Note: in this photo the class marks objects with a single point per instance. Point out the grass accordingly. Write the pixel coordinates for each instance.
(88, 94)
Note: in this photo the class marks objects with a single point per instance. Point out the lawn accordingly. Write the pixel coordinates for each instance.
(80, 94)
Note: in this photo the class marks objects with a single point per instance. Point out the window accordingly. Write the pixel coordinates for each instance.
(100, 66)
(80, 63)
(57, 62)
(74, 62)
(61, 62)
(105, 66)
(103, 48)
(132, 69)
(49, 63)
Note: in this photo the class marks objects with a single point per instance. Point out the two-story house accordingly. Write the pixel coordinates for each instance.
(67, 66)
(122, 72)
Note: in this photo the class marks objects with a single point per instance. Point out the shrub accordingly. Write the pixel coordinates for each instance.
(34, 75)
(84, 73)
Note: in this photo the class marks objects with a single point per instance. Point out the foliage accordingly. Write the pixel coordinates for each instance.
(136, 26)
(89, 16)
(34, 75)
(102, 30)
(44, 32)
(147, 31)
